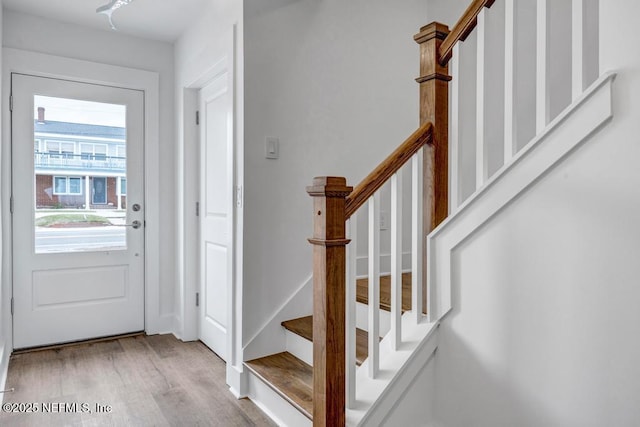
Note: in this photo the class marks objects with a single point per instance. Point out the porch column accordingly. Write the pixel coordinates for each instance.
(118, 189)
(87, 193)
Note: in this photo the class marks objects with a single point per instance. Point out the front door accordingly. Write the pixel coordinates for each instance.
(216, 221)
(78, 245)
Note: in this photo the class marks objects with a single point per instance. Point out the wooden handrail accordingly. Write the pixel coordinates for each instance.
(387, 168)
(462, 29)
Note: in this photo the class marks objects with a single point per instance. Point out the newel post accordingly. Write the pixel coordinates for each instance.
(434, 107)
(329, 263)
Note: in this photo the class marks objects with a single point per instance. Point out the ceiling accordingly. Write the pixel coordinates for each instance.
(162, 20)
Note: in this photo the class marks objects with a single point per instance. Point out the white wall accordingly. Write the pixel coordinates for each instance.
(218, 32)
(26, 32)
(416, 406)
(335, 82)
(5, 304)
(545, 321)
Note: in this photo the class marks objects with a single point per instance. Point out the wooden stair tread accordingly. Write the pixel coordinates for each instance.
(303, 326)
(288, 376)
(362, 292)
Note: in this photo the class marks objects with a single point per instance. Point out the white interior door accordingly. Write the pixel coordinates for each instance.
(78, 210)
(216, 219)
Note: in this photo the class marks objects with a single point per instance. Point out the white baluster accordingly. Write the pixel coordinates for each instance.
(374, 285)
(577, 48)
(416, 235)
(510, 139)
(396, 259)
(482, 152)
(454, 131)
(542, 65)
(350, 320)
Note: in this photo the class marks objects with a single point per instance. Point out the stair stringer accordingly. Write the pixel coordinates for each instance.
(375, 398)
(576, 124)
(271, 338)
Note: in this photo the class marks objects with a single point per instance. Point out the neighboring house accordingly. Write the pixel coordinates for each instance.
(79, 166)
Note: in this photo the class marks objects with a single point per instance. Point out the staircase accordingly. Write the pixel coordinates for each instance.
(368, 337)
(290, 373)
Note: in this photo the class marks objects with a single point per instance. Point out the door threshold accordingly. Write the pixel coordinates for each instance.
(76, 343)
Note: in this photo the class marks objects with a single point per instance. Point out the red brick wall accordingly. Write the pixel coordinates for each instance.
(44, 191)
(46, 199)
(112, 199)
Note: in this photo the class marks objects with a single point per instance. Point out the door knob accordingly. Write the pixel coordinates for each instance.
(134, 224)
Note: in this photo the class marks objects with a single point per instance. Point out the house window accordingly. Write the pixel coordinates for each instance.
(75, 185)
(62, 148)
(123, 186)
(67, 185)
(121, 151)
(100, 152)
(93, 152)
(53, 148)
(67, 149)
(86, 151)
(60, 185)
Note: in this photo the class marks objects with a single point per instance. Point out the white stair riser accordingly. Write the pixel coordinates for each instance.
(300, 347)
(303, 349)
(362, 319)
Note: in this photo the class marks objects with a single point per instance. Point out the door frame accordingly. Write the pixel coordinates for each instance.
(43, 65)
(221, 55)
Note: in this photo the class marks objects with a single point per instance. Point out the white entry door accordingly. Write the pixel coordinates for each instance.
(78, 210)
(216, 219)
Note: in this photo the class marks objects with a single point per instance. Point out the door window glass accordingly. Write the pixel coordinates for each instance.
(79, 161)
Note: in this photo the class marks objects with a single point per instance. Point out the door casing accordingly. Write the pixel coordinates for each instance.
(221, 56)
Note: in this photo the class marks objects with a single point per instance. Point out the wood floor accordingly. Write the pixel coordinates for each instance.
(147, 380)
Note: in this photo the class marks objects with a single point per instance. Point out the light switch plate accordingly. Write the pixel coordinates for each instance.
(384, 220)
(272, 147)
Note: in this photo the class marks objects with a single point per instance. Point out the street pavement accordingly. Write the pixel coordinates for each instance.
(79, 239)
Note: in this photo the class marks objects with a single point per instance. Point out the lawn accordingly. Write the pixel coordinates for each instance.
(72, 220)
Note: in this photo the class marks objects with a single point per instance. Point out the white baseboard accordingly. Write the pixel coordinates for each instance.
(165, 324)
(237, 380)
(5, 352)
